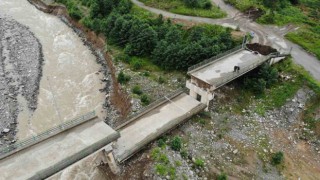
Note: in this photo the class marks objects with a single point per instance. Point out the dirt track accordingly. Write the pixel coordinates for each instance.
(20, 72)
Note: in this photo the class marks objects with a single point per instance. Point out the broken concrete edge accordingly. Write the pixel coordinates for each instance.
(174, 123)
(5, 155)
(76, 157)
(113, 164)
(149, 108)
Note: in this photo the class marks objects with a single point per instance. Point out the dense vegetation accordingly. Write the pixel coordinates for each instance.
(168, 45)
(202, 8)
(260, 79)
(305, 13)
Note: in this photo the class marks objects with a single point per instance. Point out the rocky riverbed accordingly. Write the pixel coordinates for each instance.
(20, 72)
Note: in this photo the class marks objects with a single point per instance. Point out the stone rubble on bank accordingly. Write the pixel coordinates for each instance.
(21, 62)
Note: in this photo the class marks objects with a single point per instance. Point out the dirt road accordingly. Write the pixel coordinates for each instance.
(266, 35)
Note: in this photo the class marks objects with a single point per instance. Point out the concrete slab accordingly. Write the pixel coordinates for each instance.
(57, 152)
(154, 123)
(216, 72)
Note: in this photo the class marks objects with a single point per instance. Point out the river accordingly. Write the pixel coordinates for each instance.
(70, 81)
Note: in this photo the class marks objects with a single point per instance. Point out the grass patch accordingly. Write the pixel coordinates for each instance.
(277, 158)
(278, 94)
(142, 13)
(306, 15)
(309, 117)
(137, 90)
(178, 7)
(176, 143)
(222, 176)
(145, 99)
(163, 166)
(199, 163)
(242, 5)
(289, 14)
(307, 39)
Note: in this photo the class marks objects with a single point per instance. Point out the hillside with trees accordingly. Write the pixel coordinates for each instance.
(168, 45)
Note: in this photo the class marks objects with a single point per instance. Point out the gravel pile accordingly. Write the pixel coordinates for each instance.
(21, 62)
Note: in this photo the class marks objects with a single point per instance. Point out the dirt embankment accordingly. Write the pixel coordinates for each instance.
(262, 49)
(21, 62)
(96, 43)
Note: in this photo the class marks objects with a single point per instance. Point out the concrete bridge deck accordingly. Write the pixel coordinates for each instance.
(57, 152)
(219, 72)
(153, 124)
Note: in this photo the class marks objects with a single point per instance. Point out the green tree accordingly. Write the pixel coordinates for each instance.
(192, 3)
(143, 41)
(124, 6)
(269, 74)
(222, 176)
(176, 143)
(277, 158)
(257, 85)
(123, 78)
(174, 35)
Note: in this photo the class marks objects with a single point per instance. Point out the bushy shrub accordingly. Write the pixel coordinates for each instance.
(256, 85)
(258, 81)
(145, 99)
(222, 176)
(184, 154)
(75, 13)
(136, 64)
(161, 80)
(199, 163)
(163, 158)
(192, 3)
(137, 90)
(277, 158)
(176, 143)
(123, 57)
(161, 169)
(161, 142)
(207, 5)
(123, 78)
(146, 73)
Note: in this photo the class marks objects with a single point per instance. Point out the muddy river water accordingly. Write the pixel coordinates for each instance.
(70, 81)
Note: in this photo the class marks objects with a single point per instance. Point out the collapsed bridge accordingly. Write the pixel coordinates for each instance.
(60, 149)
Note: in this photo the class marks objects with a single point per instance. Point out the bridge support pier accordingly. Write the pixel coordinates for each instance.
(110, 160)
(200, 94)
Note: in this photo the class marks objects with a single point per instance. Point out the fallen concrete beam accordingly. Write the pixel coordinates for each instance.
(58, 152)
(153, 124)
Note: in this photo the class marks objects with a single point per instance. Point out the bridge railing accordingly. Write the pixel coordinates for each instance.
(5, 151)
(214, 58)
(154, 104)
(242, 71)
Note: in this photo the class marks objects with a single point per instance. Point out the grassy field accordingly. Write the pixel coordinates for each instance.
(178, 7)
(307, 39)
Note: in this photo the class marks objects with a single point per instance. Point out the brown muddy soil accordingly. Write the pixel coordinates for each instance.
(262, 49)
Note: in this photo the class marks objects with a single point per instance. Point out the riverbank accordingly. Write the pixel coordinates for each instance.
(97, 44)
(73, 82)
